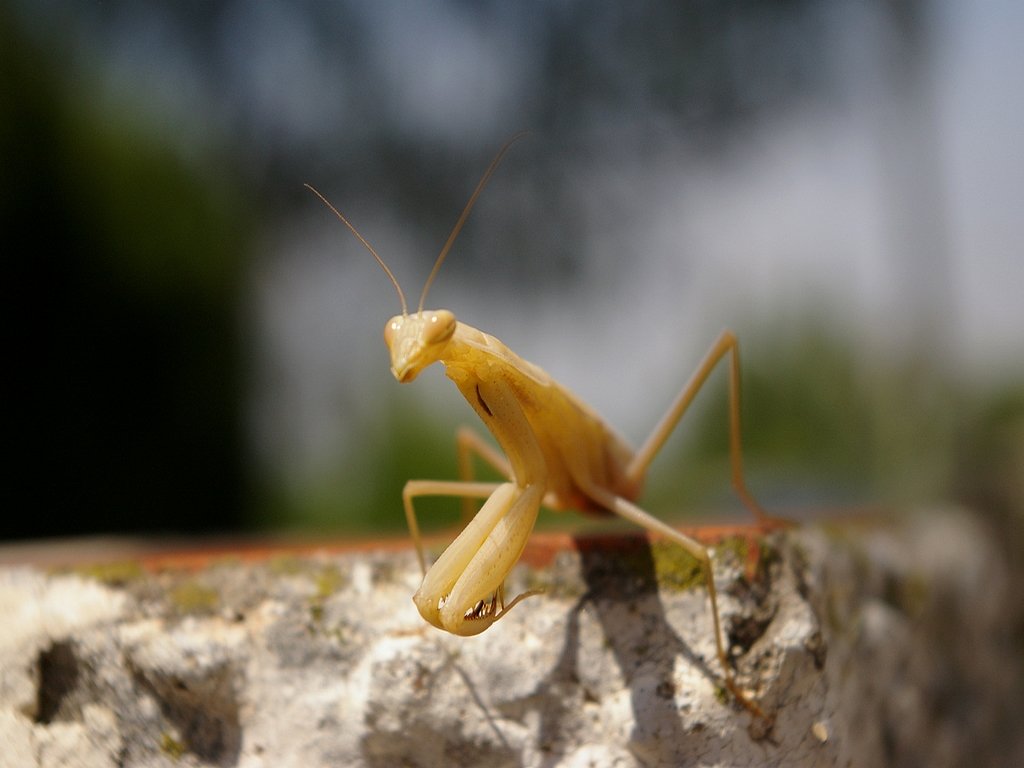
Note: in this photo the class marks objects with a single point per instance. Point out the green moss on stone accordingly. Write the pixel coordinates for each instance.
(171, 747)
(192, 597)
(114, 574)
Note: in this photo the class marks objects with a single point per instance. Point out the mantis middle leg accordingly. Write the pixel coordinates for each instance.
(467, 443)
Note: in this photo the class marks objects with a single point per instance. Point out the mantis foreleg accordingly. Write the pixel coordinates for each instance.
(414, 488)
(463, 591)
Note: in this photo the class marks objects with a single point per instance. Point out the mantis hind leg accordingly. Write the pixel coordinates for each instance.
(726, 344)
(632, 512)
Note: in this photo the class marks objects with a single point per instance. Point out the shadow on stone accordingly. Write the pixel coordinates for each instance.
(623, 588)
(204, 709)
(391, 750)
(622, 585)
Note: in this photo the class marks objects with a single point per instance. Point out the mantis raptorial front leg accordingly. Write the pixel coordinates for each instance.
(414, 488)
(463, 592)
(556, 451)
(467, 443)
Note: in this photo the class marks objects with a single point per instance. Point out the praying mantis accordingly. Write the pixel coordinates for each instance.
(557, 452)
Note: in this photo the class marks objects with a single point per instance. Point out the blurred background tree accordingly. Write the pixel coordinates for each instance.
(121, 278)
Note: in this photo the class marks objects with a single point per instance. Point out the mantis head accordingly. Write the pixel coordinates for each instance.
(416, 341)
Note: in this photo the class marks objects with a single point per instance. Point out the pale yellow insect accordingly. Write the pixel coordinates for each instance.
(557, 452)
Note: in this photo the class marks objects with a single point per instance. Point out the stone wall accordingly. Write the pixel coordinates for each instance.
(866, 646)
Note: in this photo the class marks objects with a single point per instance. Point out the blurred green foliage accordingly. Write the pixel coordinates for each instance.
(990, 460)
(365, 495)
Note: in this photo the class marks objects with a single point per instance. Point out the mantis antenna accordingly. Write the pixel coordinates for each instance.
(378, 258)
(451, 237)
(465, 213)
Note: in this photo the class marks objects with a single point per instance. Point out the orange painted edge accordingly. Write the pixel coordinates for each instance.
(196, 554)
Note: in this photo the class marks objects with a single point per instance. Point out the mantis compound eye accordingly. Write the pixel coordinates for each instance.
(392, 327)
(439, 326)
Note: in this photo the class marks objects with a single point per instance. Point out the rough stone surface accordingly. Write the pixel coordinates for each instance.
(868, 647)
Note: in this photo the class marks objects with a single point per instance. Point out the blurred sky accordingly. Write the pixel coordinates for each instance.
(692, 166)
